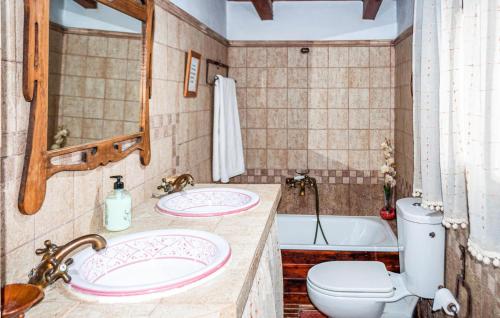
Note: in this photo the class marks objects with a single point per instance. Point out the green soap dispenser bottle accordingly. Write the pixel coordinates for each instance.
(118, 207)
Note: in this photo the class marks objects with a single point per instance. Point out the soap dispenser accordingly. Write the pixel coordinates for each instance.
(118, 207)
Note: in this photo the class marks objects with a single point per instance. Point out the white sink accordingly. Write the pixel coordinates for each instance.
(144, 265)
(207, 202)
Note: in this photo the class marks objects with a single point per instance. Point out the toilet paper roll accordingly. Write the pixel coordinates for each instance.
(444, 299)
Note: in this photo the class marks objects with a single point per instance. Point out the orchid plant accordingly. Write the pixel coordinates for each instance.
(389, 171)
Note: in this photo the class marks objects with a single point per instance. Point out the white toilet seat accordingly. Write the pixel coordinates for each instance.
(354, 289)
(353, 278)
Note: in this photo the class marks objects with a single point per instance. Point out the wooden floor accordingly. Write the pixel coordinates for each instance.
(296, 264)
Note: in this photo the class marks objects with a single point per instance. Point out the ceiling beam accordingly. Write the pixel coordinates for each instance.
(264, 9)
(370, 9)
(87, 4)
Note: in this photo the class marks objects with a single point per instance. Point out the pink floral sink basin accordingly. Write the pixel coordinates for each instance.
(143, 265)
(207, 202)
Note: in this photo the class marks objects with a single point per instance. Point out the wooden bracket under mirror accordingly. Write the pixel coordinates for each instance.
(84, 152)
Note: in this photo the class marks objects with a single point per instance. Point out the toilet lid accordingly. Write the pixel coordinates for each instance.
(352, 277)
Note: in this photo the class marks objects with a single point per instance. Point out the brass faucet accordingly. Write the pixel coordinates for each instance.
(303, 180)
(53, 266)
(175, 184)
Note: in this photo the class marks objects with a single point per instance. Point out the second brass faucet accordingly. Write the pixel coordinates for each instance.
(176, 183)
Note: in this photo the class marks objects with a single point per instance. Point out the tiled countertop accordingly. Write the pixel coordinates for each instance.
(223, 296)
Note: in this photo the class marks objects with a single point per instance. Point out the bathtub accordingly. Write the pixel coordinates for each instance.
(344, 233)
(351, 238)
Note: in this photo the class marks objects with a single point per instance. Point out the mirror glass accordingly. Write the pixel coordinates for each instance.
(95, 58)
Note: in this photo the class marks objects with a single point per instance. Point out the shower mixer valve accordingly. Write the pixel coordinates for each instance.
(302, 179)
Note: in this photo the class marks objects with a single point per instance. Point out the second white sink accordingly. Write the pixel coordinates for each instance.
(205, 202)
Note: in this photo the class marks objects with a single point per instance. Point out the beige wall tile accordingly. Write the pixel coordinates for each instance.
(338, 139)
(276, 118)
(338, 159)
(116, 68)
(297, 139)
(338, 118)
(256, 77)
(297, 118)
(113, 128)
(256, 138)
(295, 58)
(256, 118)
(237, 57)
(318, 57)
(297, 159)
(240, 75)
(380, 119)
(276, 158)
(277, 98)
(380, 98)
(256, 158)
(118, 48)
(338, 77)
(359, 118)
(318, 119)
(359, 77)
(77, 44)
(92, 128)
(277, 77)
(359, 139)
(256, 97)
(359, 57)
(338, 56)
(256, 57)
(338, 98)
(318, 77)
(317, 159)
(297, 77)
(359, 159)
(318, 98)
(95, 67)
(380, 56)
(297, 98)
(277, 57)
(359, 98)
(277, 139)
(377, 137)
(114, 109)
(317, 139)
(97, 46)
(380, 77)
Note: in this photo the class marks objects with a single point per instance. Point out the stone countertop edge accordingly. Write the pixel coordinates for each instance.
(59, 302)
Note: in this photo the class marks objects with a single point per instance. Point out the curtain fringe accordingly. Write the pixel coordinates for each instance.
(485, 257)
(455, 223)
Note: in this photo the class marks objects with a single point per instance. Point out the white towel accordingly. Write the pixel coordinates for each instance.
(228, 160)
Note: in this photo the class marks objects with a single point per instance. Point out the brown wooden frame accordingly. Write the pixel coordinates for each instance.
(190, 56)
(39, 161)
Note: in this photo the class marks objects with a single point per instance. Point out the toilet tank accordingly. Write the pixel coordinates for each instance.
(421, 239)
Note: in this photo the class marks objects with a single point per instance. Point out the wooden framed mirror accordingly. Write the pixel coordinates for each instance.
(87, 74)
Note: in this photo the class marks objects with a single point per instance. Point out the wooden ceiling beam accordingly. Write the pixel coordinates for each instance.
(264, 9)
(370, 9)
(87, 4)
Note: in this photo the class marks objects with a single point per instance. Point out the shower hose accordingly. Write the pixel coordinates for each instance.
(318, 221)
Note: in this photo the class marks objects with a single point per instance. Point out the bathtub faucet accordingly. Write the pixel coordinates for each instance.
(302, 179)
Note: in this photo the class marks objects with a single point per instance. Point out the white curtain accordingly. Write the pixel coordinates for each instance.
(457, 117)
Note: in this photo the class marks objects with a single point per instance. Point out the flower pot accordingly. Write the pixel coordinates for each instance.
(388, 214)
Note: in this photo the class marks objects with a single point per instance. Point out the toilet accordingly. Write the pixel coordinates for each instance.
(354, 289)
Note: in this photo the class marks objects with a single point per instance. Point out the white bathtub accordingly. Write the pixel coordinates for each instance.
(344, 233)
